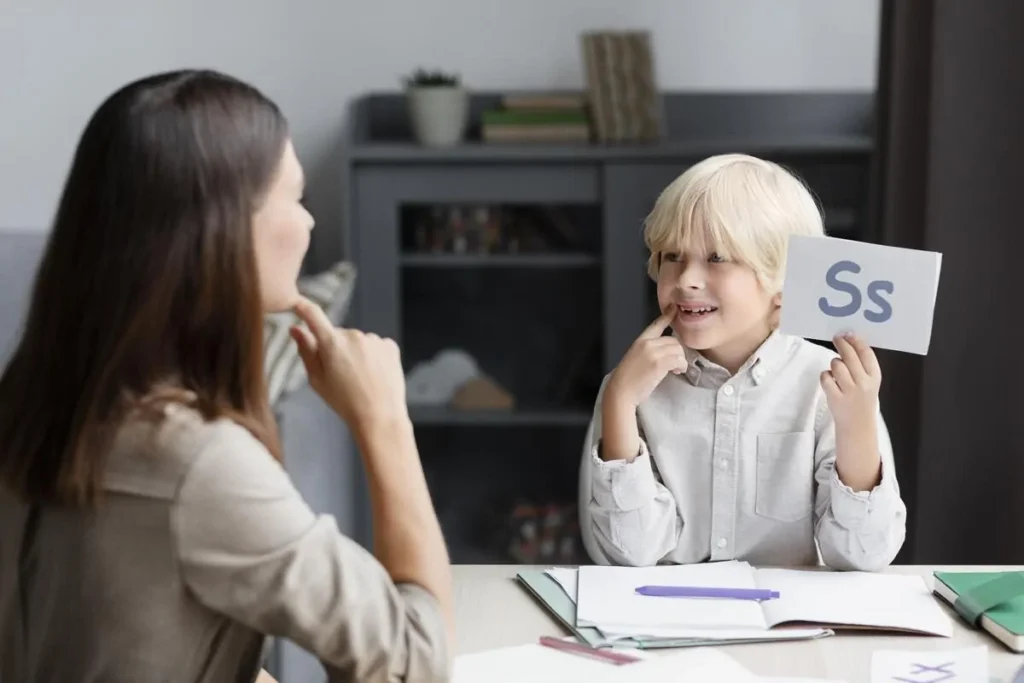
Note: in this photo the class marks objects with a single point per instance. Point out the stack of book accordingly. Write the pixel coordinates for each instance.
(537, 118)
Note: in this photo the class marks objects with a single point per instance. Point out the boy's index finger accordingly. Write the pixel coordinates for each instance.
(656, 328)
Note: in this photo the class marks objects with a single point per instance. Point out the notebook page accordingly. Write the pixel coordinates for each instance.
(888, 601)
(606, 598)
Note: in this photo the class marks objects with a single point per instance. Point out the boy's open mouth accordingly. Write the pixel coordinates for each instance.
(696, 311)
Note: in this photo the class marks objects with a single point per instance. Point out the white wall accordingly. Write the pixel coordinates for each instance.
(60, 58)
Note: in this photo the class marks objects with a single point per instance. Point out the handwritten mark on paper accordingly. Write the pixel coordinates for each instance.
(969, 665)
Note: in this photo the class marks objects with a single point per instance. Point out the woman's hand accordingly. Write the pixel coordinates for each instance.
(359, 375)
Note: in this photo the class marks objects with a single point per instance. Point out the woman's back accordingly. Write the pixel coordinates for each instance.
(200, 545)
(102, 591)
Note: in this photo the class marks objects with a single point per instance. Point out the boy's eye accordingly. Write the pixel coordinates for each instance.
(715, 257)
(670, 256)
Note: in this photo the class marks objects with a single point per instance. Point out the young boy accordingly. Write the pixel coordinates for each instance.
(727, 439)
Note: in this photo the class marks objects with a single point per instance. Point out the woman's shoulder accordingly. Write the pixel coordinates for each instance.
(157, 451)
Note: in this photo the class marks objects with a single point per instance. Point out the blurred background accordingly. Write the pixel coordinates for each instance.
(486, 166)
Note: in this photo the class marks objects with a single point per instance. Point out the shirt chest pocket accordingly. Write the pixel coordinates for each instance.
(785, 476)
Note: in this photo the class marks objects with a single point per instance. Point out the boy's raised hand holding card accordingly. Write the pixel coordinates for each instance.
(886, 295)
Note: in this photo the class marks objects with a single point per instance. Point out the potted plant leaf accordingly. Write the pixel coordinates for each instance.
(438, 107)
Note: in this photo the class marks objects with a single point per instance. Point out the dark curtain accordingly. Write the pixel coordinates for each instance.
(948, 178)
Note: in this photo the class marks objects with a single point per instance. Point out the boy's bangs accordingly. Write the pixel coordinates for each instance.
(702, 232)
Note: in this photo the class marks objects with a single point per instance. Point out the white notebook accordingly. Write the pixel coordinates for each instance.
(606, 599)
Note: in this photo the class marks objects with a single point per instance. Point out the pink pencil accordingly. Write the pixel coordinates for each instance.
(609, 656)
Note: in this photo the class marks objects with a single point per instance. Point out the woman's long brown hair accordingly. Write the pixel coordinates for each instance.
(149, 279)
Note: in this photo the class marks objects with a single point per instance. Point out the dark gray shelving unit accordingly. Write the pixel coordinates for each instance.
(548, 326)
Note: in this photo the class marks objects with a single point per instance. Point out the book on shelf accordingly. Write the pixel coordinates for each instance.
(545, 101)
(536, 133)
(535, 125)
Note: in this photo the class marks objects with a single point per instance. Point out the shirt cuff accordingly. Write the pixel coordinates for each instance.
(623, 485)
(857, 509)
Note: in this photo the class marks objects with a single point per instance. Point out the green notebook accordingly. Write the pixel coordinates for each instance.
(552, 597)
(993, 601)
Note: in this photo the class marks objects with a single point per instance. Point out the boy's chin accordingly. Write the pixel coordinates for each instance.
(698, 340)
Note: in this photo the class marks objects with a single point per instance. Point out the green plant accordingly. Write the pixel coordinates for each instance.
(423, 78)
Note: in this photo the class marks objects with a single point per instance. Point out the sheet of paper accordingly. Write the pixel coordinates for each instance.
(566, 578)
(890, 601)
(607, 598)
(697, 665)
(968, 665)
(525, 664)
(540, 664)
(884, 294)
(723, 634)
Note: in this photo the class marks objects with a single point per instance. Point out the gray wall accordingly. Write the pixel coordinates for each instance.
(59, 58)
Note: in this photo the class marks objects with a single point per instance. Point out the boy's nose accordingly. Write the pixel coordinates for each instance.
(692, 277)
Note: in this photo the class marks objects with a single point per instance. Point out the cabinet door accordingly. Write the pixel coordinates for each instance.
(382, 191)
(630, 193)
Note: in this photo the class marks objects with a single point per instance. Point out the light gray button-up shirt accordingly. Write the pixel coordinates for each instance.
(739, 467)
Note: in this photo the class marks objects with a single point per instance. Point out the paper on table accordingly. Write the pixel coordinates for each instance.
(525, 663)
(539, 664)
(606, 598)
(968, 665)
(697, 665)
(567, 579)
(889, 601)
(723, 634)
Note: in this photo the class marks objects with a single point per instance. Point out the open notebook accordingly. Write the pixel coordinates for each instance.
(606, 600)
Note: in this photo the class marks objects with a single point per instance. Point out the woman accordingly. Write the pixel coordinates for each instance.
(148, 531)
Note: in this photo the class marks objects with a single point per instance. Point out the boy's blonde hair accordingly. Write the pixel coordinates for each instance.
(739, 206)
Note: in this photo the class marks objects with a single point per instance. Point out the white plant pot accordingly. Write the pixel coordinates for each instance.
(438, 114)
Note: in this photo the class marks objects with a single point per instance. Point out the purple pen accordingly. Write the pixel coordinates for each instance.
(707, 592)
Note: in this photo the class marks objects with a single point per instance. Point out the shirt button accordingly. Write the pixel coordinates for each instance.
(723, 463)
(728, 390)
(721, 543)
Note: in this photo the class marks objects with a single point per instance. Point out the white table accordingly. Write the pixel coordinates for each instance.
(492, 610)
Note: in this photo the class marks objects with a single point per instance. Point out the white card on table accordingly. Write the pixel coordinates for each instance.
(969, 665)
(886, 295)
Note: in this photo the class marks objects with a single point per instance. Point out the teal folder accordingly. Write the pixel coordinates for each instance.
(549, 593)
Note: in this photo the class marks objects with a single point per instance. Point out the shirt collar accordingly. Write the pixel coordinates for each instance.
(765, 360)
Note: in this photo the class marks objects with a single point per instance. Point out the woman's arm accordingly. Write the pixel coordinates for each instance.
(407, 536)
(250, 548)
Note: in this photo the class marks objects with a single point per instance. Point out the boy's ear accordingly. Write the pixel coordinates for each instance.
(777, 311)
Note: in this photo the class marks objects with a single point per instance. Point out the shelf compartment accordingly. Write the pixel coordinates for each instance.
(536, 333)
(467, 230)
(527, 417)
(563, 260)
